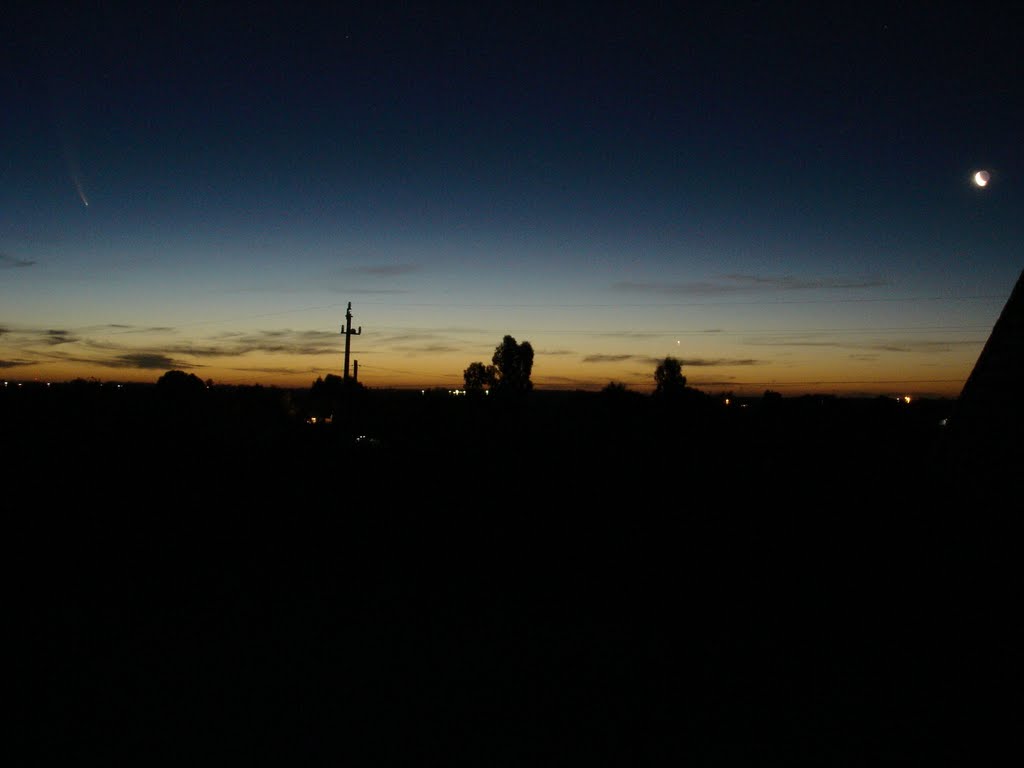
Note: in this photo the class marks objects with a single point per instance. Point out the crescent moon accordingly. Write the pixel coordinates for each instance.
(981, 178)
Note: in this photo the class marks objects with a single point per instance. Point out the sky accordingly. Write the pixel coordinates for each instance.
(778, 194)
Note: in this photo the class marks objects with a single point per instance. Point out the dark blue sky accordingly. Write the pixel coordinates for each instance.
(779, 194)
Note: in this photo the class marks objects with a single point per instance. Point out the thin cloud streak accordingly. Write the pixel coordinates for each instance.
(120, 328)
(54, 337)
(739, 283)
(114, 355)
(237, 344)
(701, 362)
(902, 346)
(25, 337)
(286, 341)
(429, 348)
(386, 270)
(408, 337)
(610, 358)
(372, 291)
(790, 283)
(693, 362)
(721, 362)
(146, 361)
(279, 370)
(136, 360)
(628, 335)
(11, 262)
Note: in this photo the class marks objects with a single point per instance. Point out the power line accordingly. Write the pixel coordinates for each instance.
(825, 382)
(521, 305)
(542, 305)
(711, 333)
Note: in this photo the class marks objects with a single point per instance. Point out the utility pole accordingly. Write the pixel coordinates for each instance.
(349, 333)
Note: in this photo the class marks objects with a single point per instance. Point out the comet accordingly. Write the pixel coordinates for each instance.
(74, 171)
(81, 192)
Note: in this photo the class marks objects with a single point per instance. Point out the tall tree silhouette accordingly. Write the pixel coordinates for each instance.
(513, 364)
(668, 378)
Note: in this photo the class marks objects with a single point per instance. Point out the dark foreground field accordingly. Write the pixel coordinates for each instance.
(578, 579)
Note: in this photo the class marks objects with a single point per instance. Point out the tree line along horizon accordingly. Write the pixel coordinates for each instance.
(512, 364)
(507, 375)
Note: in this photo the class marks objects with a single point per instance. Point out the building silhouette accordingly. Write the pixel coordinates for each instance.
(984, 442)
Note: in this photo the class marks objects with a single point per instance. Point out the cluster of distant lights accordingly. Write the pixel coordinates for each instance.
(457, 392)
(901, 399)
(453, 392)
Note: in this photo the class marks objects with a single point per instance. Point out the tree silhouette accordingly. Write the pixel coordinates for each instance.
(478, 377)
(179, 382)
(332, 394)
(513, 363)
(668, 378)
(184, 404)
